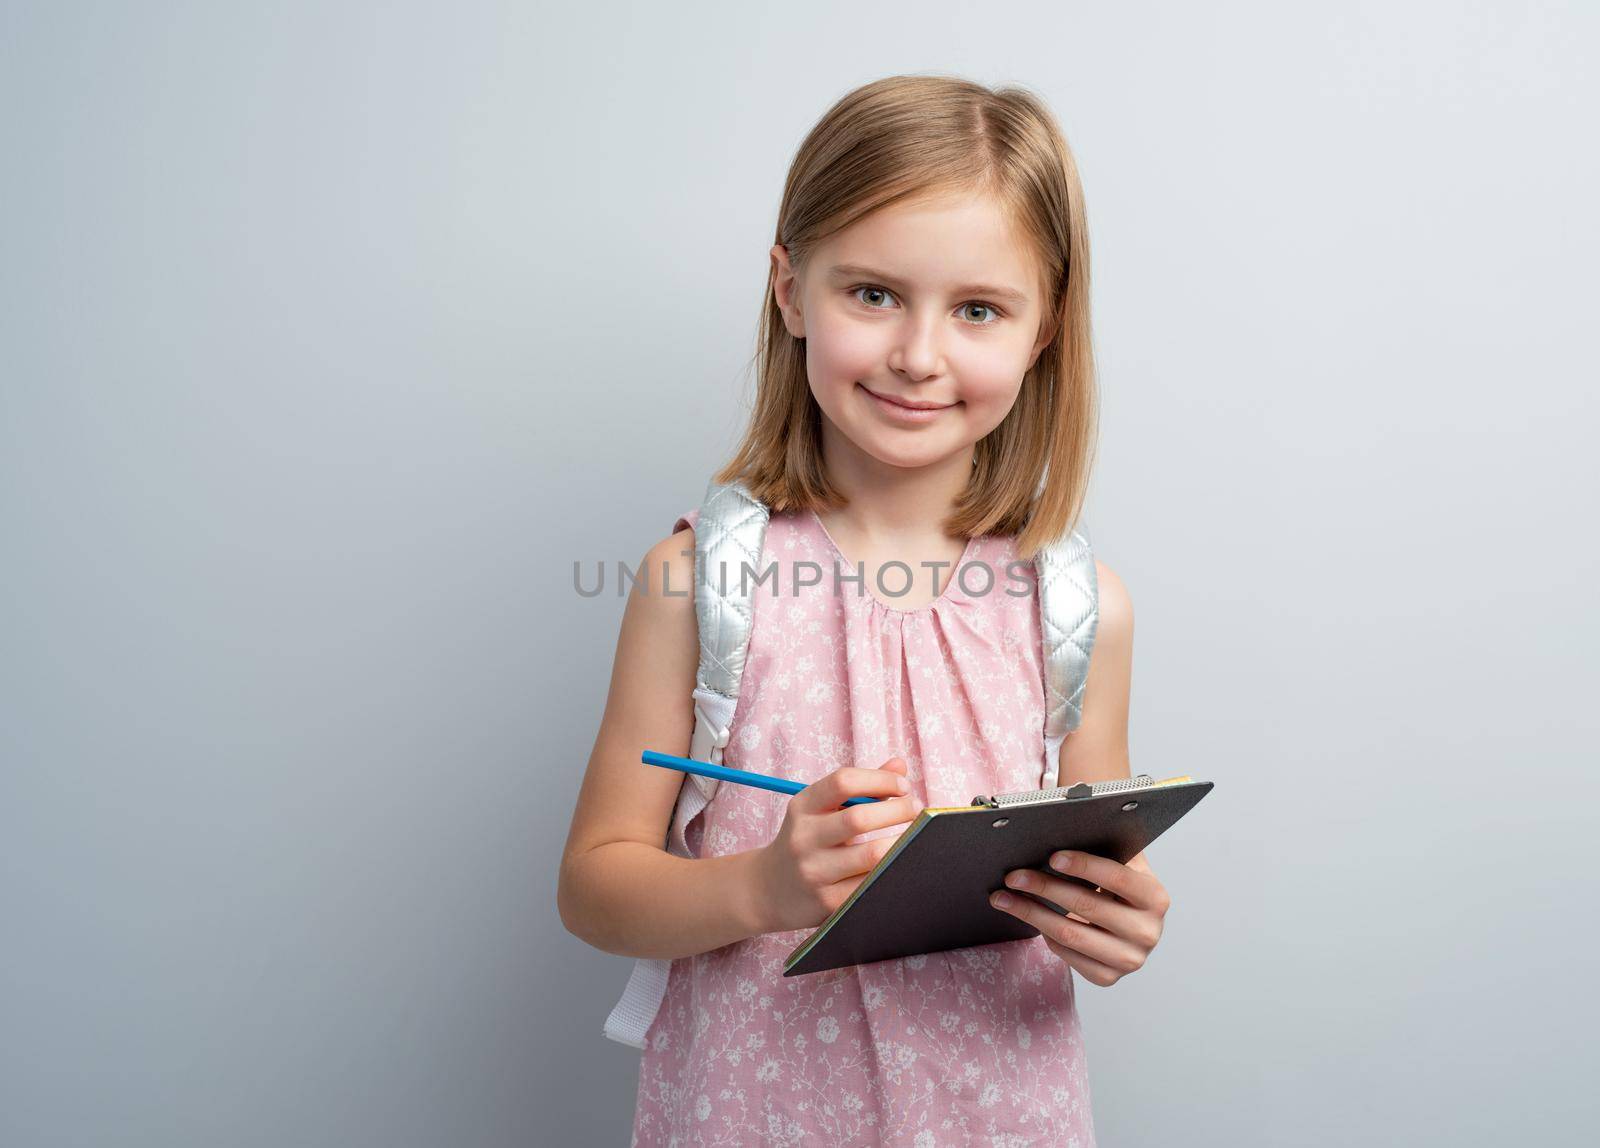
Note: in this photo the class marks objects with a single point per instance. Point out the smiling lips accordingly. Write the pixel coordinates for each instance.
(906, 409)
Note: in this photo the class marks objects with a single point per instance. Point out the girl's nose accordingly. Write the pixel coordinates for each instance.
(918, 355)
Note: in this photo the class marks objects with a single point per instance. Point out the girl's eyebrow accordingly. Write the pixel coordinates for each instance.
(857, 271)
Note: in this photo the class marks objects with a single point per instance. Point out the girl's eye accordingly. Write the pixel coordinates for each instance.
(868, 295)
(870, 291)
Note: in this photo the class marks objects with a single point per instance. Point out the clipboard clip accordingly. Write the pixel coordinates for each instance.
(1060, 792)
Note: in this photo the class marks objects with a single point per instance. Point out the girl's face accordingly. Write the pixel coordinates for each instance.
(935, 305)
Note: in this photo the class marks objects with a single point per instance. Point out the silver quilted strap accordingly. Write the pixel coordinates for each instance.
(729, 532)
(1069, 613)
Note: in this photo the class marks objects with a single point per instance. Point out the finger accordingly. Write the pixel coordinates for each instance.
(1090, 940)
(854, 820)
(1102, 909)
(1088, 968)
(1142, 890)
(854, 860)
(834, 789)
(835, 895)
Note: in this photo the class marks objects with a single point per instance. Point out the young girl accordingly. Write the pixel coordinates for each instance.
(925, 397)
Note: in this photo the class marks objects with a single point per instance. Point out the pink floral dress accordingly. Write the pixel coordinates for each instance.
(973, 1046)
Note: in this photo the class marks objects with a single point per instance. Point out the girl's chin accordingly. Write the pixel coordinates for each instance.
(904, 454)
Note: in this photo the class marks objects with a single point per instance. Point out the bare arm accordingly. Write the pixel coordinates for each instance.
(619, 889)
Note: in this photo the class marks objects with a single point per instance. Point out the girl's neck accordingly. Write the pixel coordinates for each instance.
(891, 505)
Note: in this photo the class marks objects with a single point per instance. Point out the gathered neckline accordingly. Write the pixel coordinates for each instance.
(949, 592)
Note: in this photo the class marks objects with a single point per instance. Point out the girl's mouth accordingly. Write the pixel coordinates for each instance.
(905, 414)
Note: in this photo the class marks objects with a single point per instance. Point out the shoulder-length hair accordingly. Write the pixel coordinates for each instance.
(904, 138)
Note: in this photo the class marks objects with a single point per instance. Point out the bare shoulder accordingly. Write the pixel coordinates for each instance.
(666, 573)
(1115, 604)
(658, 648)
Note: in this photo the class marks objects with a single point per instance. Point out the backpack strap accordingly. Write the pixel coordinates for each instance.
(1069, 614)
(729, 532)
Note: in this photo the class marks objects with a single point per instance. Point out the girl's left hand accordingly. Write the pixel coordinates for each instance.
(1107, 933)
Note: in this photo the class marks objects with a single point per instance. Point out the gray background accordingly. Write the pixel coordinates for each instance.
(334, 336)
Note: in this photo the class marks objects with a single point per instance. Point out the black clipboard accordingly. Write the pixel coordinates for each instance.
(930, 892)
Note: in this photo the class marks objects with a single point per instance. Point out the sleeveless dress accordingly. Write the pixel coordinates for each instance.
(980, 1045)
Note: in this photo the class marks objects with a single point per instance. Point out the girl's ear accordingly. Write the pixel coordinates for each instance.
(785, 290)
(1046, 333)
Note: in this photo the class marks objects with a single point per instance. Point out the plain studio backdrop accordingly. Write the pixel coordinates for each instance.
(335, 336)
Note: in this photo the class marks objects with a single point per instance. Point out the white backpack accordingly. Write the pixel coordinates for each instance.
(729, 533)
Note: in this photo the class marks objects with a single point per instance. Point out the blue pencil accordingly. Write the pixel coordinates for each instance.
(727, 773)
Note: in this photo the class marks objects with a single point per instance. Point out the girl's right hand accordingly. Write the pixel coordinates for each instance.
(809, 869)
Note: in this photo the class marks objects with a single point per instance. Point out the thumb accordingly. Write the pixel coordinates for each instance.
(896, 764)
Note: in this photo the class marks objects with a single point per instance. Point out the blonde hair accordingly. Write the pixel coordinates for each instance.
(911, 137)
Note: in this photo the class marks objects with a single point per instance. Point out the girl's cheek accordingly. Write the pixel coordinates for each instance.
(988, 388)
(840, 353)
